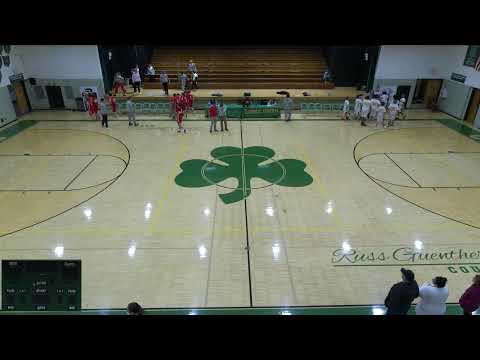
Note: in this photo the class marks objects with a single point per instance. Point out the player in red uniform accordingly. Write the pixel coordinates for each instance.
(190, 100)
(113, 103)
(92, 106)
(180, 112)
(173, 105)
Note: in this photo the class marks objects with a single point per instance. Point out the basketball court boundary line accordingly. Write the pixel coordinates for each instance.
(83, 202)
(411, 178)
(63, 190)
(246, 217)
(398, 196)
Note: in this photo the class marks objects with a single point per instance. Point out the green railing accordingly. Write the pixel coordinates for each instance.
(321, 107)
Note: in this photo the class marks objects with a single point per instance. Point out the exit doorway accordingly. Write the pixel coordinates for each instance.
(55, 97)
(19, 97)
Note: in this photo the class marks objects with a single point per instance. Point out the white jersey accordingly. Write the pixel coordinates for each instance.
(358, 105)
(366, 107)
(402, 103)
(375, 104)
(380, 113)
(384, 98)
(392, 111)
(346, 106)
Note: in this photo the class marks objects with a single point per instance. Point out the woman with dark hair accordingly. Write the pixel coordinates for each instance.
(470, 300)
(134, 309)
(433, 297)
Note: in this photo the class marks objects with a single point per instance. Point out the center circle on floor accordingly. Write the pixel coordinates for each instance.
(274, 163)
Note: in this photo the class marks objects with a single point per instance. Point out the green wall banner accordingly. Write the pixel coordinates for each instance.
(253, 111)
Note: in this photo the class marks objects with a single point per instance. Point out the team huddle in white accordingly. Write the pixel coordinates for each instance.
(375, 109)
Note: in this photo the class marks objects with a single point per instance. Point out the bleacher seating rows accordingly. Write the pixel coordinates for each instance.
(244, 67)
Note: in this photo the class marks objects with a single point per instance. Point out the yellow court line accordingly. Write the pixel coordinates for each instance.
(169, 184)
(320, 186)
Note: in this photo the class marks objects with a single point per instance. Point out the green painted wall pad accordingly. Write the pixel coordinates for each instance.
(13, 130)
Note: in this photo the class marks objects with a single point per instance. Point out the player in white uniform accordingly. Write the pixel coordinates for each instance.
(384, 98)
(365, 109)
(380, 114)
(346, 110)
(358, 107)
(373, 112)
(392, 113)
(401, 106)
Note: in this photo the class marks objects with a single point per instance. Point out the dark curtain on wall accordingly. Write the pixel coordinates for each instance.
(123, 59)
(350, 67)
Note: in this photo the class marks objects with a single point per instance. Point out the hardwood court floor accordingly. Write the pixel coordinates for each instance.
(329, 221)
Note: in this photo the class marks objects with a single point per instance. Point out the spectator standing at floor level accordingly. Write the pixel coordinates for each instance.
(346, 109)
(194, 80)
(104, 112)
(164, 81)
(113, 104)
(119, 82)
(134, 309)
(151, 72)
(213, 112)
(470, 300)
(136, 79)
(183, 81)
(433, 297)
(131, 112)
(192, 67)
(402, 294)
(222, 115)
(287, 107)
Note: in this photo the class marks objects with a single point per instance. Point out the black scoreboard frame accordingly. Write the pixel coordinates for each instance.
(41, 285)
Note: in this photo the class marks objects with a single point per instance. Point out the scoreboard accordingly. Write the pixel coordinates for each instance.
(41, 285)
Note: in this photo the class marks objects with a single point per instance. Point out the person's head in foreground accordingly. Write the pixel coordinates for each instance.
(407, 275)
(134, 309)
(439, 281)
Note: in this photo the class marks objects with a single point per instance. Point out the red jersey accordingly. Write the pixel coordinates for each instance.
(190, 99)
(213, 111)
(178, 107)
(183, 102)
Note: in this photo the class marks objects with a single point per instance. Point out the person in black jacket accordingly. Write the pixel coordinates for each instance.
(402, 294)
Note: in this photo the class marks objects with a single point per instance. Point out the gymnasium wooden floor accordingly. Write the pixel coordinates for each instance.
(306, 213)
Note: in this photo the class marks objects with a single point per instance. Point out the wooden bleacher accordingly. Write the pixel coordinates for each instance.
(243, 67)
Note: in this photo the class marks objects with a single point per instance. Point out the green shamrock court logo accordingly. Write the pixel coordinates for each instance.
(243, 165)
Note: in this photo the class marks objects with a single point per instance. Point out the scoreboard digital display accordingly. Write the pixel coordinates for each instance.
(41, 285)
